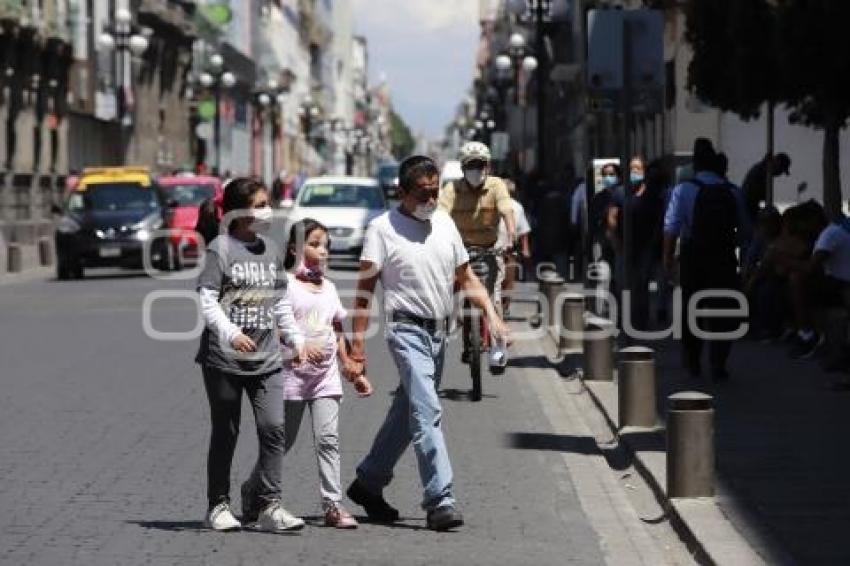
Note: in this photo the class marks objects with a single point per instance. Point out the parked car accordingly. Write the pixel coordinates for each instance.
(387, 177)
(107, 219)
(345, 205)
(183, 196)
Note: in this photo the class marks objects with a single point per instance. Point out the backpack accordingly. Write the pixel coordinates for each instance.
(715, 220)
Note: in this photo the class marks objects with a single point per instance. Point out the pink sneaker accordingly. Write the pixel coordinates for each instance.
(336, 516)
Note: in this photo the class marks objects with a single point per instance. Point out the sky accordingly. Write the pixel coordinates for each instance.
(426, 49)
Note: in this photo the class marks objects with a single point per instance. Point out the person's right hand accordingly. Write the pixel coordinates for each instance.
(244, 344)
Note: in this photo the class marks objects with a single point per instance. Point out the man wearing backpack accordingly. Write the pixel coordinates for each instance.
(708, 216)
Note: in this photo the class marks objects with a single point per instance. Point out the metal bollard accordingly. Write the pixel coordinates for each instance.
(572, 320)
(45, 251)
(636, 387)
(551, 286)
(598, 350)
(690, 445)
(14, 258)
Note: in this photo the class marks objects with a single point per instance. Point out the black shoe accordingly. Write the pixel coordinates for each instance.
(444, 518)
(377, 509)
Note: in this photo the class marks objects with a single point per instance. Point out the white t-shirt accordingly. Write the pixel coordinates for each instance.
(835, 240)
(522, 226)
(417, 262)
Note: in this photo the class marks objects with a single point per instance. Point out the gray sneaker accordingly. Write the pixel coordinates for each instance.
(220, 518)
(275, 518)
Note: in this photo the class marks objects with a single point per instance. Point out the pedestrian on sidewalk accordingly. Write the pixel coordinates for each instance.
(315, 384)
(417, 253)
(708, 216)
(754, 184)
(243, 289)
(645, 209)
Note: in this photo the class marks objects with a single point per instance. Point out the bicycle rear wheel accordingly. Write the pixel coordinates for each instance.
(475, 348)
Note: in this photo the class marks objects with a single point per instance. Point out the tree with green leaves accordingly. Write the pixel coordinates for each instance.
(401, 137)
(815, 54)
(735, 66)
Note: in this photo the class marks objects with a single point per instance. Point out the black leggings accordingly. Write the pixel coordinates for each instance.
(224, 392)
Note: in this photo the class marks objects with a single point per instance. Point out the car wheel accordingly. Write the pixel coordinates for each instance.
(63, 272)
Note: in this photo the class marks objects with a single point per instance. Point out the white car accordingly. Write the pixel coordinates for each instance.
(451, 172)
(345, 205)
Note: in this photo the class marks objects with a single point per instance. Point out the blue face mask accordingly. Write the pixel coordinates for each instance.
(636, 178)
(609, 180)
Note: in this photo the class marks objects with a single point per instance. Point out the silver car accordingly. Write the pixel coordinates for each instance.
(345, 205)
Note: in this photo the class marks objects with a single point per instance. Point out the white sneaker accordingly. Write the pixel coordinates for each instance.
(275, 518)
(220, 518)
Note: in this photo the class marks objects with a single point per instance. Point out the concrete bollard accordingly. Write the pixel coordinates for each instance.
(45, 251)
(14, 258)
(690, 445)
(572, 321)
(636, 387)
(598, 350)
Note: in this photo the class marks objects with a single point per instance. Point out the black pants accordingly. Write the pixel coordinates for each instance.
(702, 271)
(224, 392)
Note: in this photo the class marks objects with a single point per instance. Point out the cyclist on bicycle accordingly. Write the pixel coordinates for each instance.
(477, 203)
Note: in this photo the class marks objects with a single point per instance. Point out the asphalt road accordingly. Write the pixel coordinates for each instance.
(104, 431)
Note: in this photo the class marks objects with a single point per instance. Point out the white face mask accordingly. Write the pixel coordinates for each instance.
(424, 211)
(262, 218)
(474, 177)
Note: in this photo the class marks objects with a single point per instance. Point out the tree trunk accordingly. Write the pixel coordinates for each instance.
(831, 169)
(768, 196)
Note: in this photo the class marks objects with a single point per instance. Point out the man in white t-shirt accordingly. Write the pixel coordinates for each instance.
(508, 267)
(417, 254)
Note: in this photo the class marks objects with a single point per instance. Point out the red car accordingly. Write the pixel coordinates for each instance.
(184, 195)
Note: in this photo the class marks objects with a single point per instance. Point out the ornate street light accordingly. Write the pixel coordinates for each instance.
(125, 39)
(215, 79)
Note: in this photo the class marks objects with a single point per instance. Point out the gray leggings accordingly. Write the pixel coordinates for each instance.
(324, 413)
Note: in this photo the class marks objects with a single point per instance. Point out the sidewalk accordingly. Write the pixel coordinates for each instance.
(781, 463)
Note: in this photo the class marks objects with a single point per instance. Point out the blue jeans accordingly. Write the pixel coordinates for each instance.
(415, 416)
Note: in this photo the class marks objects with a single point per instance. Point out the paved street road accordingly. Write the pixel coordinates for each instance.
(103, 438)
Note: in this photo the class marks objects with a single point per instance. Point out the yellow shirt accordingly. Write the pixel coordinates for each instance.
(477, 212)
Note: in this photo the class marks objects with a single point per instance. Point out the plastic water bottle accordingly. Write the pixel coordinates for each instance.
(498, 354)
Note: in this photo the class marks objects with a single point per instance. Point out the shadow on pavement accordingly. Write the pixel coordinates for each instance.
(318, 521)
(555, 442)
(460, 395)
(174, 526)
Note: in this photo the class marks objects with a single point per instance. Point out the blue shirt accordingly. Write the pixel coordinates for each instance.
(680, 210)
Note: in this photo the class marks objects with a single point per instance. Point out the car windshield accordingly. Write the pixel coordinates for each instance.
(342, 196)
(113, 196)
(189, 194)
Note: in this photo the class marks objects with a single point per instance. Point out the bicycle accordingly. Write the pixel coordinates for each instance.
(476, 331)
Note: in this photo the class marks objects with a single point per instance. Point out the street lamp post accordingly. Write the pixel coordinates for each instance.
(270, 100)
(125, 39)
(538, 12)
(214, 79)
(522, 64)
